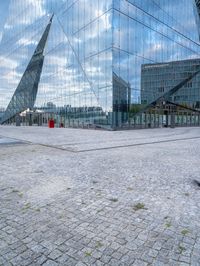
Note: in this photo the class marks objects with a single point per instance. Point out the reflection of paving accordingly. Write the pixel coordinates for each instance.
(9, 141)
(121, 206)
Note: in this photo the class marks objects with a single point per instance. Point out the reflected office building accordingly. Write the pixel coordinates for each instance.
(100, 63)
(157, 79)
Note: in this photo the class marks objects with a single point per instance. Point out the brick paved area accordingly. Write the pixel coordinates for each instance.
(78, 197)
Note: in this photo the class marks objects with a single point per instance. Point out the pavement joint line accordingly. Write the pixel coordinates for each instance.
(103, 148)
(55, 147)
(115, 147)
(35, 143)
(14, 143)
(139, 144)
(117, 140)
(23, 141)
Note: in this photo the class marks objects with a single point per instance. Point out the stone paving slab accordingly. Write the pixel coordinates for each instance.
(124, 206)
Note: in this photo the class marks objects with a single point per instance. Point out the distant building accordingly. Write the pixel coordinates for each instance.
(157, 79)
(51, 105)
(121, 100)
(2, 110)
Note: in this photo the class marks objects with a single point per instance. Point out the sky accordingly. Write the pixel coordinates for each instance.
(88, 41)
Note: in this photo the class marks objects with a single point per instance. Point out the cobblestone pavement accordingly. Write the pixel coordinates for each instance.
(78, 197)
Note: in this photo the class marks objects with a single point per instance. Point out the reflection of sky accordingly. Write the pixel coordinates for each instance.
(78, 58)
(149, 33)
(3, 14)
(77, 68)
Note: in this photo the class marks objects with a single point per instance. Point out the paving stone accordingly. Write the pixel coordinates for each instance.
(105, 258)
(40, 260)
(71, 262)
(55, 254)
(140, 263)
(50, 263)
(195, 260)
(80, 264)
(117, 255)
(184, 259)
(2, 261)
(161, 263)
(153, 253)
(147, 258)
(98, 263)
(10, 255)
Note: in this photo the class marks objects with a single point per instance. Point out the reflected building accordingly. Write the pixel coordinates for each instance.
(121, 101)
(157, 79)
(26, 92)
(94, 54)
(2, 110)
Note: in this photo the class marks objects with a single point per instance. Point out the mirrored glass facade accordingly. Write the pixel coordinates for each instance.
(95, 55)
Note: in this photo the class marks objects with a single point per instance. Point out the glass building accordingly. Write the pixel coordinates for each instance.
(94, 57)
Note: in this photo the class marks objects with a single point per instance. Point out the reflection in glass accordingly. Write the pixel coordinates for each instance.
(100, 61)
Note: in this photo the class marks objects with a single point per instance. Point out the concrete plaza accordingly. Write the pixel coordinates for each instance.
(92, 197)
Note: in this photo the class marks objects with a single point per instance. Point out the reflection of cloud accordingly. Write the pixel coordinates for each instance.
(7, 63)
(56, 60)
(8, 26)
(101, 25)
(63, 73)
(143, 39)
(27, 12)
(26, 41)
(3, 14)
(80, 54)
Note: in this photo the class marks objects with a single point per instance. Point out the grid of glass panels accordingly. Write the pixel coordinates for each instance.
(149, 32)
(160, 78)
(77, 74)
(95, 53)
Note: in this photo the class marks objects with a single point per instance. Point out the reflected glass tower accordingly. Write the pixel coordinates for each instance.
(94, 55)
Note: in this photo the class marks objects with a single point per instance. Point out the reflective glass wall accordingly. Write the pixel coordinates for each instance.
(77, 74)
(150, 33)
(76, 81)
(96, 53)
